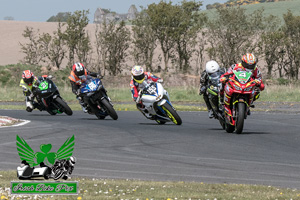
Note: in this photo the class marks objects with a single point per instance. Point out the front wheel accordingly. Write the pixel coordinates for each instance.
(229, 128)
(58, 174)
(240, 117)
(172, 114)
(110, 110)
(65, 106)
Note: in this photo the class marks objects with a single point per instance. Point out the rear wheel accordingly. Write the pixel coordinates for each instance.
(172, 114)
(222, 124)
(65, 106)
(160, 122)
(110, 110)
(240, 117)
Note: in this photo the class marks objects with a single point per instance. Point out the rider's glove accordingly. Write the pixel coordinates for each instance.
(202, 90)
(160, 80)
(223, 79)
(257, 82)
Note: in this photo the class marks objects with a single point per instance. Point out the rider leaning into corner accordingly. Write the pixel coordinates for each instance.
(30, 84)
(211, 68)
(137, 78)
(78, 76)
(249, 63)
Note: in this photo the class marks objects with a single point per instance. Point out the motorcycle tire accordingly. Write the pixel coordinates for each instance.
(240, 117)
(160, 122)
(51, 112)
(172, 114)
(100, 116)
(229, 128)
(110, 110)
(65, 106)
(58, 174)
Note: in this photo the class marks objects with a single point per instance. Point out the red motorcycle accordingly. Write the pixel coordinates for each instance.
(239, 92)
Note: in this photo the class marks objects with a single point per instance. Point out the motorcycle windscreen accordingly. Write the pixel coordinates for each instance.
(91, 85)
(242, 76)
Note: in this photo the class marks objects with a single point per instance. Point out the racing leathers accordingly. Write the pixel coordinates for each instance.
(136, 87)
(202, 90)
(238, 67)
(29, 92)
(76, 83)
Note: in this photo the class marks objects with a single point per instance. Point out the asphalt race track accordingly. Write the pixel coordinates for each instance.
(268, 152)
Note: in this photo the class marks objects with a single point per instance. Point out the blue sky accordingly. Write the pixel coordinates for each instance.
(41, 10)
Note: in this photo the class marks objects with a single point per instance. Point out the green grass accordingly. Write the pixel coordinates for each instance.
(274, 8)
(146, 190)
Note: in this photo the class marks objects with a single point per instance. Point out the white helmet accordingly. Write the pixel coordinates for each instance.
(137, 73)
(212, 67)
(72, 160)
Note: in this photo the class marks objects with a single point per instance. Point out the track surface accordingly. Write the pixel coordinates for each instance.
(136, 148)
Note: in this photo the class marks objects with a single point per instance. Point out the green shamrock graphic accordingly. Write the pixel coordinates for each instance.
(40, 156)
(26, 152)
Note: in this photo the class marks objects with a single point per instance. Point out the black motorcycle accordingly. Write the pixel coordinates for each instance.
(49, 99)
(95, 96)
(213, 89)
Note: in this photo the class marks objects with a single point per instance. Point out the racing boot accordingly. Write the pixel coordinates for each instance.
(83, 105)
(210, 114)
(29, 106)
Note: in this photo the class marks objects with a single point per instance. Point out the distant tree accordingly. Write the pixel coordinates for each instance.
(292, 31)
(54, 48)
(163, 20)
(144, 41)
(9, 18)
(112, 42)
(76, 38)
(60, 17)
(271, 44)
(33, 49)
(189, 22)
(233, 33)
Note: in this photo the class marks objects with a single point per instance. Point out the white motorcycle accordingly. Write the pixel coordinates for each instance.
(26, 172)
(156, 103)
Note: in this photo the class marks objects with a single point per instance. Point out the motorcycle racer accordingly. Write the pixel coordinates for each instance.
(248, 63)
(137, 78)
(30, 83)
(77, 77)
(211, 67)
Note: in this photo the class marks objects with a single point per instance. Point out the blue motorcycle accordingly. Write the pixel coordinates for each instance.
(95, 96)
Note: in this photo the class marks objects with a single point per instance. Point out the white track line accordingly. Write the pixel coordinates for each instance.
(19, 124)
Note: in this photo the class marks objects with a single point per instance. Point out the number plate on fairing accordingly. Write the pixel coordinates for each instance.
(242, 76)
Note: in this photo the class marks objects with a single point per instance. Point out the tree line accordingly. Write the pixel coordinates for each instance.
(183, 35)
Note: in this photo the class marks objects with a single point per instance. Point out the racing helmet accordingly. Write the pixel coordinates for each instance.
(72, 160)
(137, 73)
(78, 69)
(249, 61)
(28, 77)
(212, 67)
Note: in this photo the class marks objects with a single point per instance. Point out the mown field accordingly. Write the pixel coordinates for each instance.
(91, 189)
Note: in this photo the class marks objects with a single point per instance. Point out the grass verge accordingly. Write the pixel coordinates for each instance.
(136, 189)
(273, 93)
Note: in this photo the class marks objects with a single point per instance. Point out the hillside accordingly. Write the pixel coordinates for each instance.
(271, 8)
